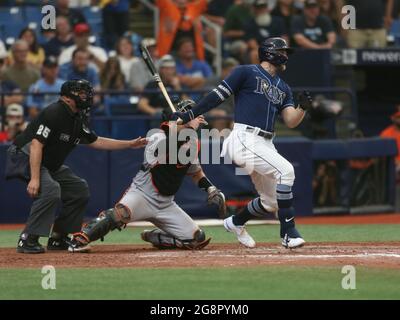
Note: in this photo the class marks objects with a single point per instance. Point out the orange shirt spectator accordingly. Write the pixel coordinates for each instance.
(393, 131)
(180, 18)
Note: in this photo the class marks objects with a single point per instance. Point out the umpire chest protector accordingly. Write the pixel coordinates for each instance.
(168, 177)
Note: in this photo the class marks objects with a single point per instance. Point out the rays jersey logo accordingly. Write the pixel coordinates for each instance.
(272, 93)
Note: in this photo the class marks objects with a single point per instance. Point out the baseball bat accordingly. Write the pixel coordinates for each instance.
(150, 64)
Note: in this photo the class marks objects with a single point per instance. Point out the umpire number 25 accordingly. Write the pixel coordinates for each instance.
(43, 131)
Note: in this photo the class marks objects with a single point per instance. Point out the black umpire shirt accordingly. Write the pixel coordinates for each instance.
(60, 130)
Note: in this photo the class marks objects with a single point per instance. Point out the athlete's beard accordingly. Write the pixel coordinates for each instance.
(281, 68)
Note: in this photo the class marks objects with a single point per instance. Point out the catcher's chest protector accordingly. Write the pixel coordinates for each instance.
(167, 178)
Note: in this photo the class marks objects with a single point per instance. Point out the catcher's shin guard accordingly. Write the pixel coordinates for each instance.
(107, 221)
(162, 240)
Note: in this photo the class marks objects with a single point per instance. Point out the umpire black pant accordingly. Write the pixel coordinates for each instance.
(55, 187)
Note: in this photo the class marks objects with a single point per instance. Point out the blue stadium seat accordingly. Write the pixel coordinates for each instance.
(129, 129)
(12, 30)
(101, 127)
(11, 15)
(119, 105)
(92, 14)
(395, 31)
(33, 14)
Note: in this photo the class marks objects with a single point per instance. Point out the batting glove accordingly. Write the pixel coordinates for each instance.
(305, 100)
(184, 116)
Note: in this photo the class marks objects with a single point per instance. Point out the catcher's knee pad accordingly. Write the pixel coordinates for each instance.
(122, 213)
(108, 220)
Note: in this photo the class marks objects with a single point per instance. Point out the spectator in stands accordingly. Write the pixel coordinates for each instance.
(62, 40)
(36, 53)
(216, 12)
(21, 72)
(180, 19)
(153, 103)
(80, 3)
(9, 87)
(126, 57)
(97, 55)
(373, 21)
(115, 21)
(139, 75)
(14, 123)
(192, 73)
(262, 26)
(313, 30)
(111, 76)
(3, 54)
(236, 17)
(73, 15)
(333, 10)
(79, 68)
(48, 83)
(393, 131)
(286, 10)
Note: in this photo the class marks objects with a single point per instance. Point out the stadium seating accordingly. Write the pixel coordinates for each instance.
(116, 105)
(395, 31)
(129, 129)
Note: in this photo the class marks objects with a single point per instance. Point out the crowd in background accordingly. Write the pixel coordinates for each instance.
(111, 61)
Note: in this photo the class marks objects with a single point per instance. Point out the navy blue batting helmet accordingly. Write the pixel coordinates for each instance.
(270, 50)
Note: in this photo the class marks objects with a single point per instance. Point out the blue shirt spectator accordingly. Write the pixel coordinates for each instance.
(49, 83)
(62, 40)
(68, 72)
(79, 68)
(192, 73)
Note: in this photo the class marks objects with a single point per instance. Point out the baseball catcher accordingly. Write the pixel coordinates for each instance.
(151, 194)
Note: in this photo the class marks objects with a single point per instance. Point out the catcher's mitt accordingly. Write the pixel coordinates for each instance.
(216, 197)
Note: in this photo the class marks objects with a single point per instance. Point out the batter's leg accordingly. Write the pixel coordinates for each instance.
(273, 177)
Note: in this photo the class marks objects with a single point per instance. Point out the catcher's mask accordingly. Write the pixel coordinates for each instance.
(81, 91)
(181, 106)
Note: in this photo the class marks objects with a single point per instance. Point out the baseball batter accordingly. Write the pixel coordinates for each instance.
(151, 194)
(260, 96)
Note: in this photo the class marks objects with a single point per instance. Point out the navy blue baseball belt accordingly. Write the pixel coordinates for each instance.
(261, 133)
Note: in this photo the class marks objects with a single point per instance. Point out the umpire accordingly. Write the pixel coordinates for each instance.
(37, 156)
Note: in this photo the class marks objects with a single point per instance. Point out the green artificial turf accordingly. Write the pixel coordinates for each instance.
(201, 283)
(267, 282)
(263, 233)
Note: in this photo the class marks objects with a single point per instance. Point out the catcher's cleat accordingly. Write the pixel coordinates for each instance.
(153, 237)
(58, 244)
(145, 235)
(292, 243)
(79, 243)
(29, 244)
(241, 233)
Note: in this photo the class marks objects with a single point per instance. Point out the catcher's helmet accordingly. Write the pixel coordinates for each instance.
(181, 106)
(270, 49)
(81, 91)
